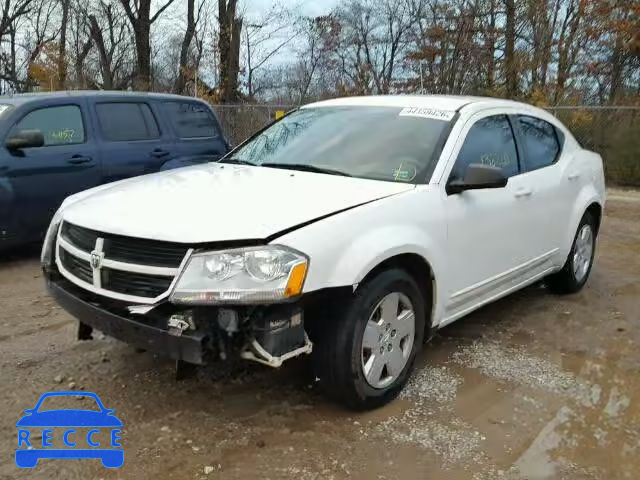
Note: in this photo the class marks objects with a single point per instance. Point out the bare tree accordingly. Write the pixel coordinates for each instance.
(264, 38)
(111, 35)
(13, 13)
(82, 44)
(139, 15)
(185, 71)
(62, 44)
(510, 65)
(229, 38)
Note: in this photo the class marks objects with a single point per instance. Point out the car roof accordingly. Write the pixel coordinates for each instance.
(21, 98)
(440, 102)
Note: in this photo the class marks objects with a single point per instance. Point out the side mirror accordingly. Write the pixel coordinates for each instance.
(478, 177)
(25, 139)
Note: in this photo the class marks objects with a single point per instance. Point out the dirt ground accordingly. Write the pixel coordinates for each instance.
(532, 387)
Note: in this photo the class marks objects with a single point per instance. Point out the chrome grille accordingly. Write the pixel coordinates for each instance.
(126, 249)
(129, 269)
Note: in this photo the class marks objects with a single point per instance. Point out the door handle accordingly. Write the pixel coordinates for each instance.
(574, 175)
(523, 192)
(159, 153)
(78, 160)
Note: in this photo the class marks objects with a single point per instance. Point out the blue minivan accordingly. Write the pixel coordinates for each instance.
(57, 144)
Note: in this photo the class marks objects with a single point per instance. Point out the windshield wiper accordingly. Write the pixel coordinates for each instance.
(306, 168)
(237, 161)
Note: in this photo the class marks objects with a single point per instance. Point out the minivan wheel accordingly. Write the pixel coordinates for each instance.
(577, 268)
(366, 353)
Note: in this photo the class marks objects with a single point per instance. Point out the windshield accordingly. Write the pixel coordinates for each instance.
(382, 143)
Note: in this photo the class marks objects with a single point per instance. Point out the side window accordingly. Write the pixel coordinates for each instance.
(539, 142)
(60, 125)
(123, 122)
(191, 120)
(489, 142)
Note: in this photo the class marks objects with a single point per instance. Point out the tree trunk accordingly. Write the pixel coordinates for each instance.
(183, 73)
(62, 46)
(490, 47)
(141, 22)
(511, 71)
(103, 54)
(230, 29)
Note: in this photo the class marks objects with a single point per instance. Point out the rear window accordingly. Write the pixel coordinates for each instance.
(191, 119)
(540, 142)
(122, 122)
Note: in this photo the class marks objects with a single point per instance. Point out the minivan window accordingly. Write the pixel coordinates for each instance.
(489, 142)
(122, 122)
(381, 143)
(61, 125)
(191, 120)
(539, 142)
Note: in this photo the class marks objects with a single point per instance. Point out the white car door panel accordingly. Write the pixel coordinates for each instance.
(553, 181)
(491, 241)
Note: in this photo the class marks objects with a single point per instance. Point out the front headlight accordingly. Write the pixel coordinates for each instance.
(46, 255)
(245, 275)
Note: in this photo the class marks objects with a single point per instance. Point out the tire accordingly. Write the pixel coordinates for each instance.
(348, 363)
(576, 270)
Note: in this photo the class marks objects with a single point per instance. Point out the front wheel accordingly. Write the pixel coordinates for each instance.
(366, 353)
(577, 268)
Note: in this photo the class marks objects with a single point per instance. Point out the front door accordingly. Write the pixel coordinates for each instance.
(41, 178)
(487, 228)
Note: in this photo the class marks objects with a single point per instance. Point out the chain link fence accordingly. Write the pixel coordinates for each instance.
(613, 132)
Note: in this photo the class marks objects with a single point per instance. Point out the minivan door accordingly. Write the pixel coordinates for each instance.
(131, 141)
(40, 178)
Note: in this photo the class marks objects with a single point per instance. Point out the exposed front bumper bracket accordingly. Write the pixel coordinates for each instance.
(188, 347)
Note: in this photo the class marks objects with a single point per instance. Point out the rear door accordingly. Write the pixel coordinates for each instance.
(131, 140)
(41, 178)
(196, 130)
(551, 194)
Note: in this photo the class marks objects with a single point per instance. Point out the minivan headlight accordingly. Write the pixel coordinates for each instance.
(245, 275)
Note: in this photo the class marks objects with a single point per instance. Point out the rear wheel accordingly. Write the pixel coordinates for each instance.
(366, 353)
(577, 268)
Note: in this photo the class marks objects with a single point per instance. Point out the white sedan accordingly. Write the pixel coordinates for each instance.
(350, 229)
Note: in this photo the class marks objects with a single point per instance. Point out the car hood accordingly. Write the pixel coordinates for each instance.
(221, 202)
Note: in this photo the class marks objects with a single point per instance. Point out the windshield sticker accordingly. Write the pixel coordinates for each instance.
(426, 112)
(404, 173)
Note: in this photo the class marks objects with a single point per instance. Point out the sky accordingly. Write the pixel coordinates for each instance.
(305, 7)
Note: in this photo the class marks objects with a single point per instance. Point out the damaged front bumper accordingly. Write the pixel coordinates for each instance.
(267, 334)
(188, 347)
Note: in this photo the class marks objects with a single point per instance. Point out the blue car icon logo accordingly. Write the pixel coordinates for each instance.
(84, 433)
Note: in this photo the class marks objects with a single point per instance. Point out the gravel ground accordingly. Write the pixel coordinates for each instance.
(533, 387)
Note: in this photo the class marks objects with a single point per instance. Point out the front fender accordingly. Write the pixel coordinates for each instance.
(378, 245)
(345, 247)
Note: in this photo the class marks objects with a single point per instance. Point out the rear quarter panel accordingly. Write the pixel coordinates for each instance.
(591, 189)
